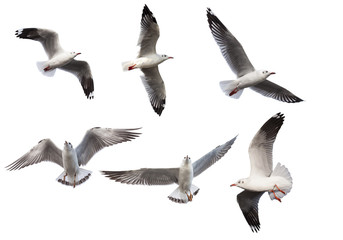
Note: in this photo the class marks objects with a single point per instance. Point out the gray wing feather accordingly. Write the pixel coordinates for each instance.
(48, 38)
(82, 71)
(261, 146)
(231, 49)
(98, 138)
(210, 158)
(149, 34)
(155, 88)
(45, 150)
(145, 176)
(270, 89)
(248, 203)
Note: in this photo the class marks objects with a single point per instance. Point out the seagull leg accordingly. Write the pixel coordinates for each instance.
(132, 67)
(190, 196)
(279, 189)
(64, 177)
(47, 69)
(233, 92)
(74, 180)
(277, 198)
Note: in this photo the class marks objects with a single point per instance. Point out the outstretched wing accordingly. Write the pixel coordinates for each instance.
(231, 49)
(98, 138)
(149, 34)
(248, 202)
(270, 89)
(48, 38)
(261, 146)
(210, 158)
(82, 71)
(145, 176)
(45, 150)
(155, 88)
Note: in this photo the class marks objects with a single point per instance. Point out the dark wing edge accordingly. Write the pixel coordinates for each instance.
(145, 176)
(82, 71)
(45, 150)
(272, 90)
(210, 158)
(248, 203)
(230, 47)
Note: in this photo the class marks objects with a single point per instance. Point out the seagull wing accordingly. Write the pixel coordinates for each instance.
(231, 49)
(149, 34)
(48, 38)
(270, 89)
(261, 146)
(82, 71)
(145, 176)
(155, 88)
(45, 150)
(98, 138)
(210, 158)
(248, 202)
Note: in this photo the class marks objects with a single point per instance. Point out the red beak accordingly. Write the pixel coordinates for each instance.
(272, 73)
(233, 185)
(170, 58)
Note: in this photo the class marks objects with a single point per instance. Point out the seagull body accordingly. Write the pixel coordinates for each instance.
(59, 58)
(247, 76)
(262, 177)
(72, 158)
(183, 176)
(148, 61)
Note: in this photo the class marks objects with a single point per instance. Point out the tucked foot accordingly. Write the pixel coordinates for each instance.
(190, 196)
(132, 67)
(47, 69)
(279, 189)
(276, 197)
(233, 92)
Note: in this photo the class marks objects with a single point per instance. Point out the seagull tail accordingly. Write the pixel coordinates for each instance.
(230, 89)
(181, 197)
(286, 182)
(43, 67)
(128, 65)
(82, 176)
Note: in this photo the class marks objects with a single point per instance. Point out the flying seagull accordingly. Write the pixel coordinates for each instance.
(183, 176)
(262, 177)
(148, 61)
(72, 158)
(59, 58)
(239, 63)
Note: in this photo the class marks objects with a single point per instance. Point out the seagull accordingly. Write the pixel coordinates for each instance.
(72, 158)
(148, 61)
(240, 64)
(262, 177)
(59, 58)
(183, 176)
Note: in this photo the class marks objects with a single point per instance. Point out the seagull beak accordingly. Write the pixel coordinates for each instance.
(65, 142)
(170, 58)
(272, 73)
(233, 185)
(78, 53)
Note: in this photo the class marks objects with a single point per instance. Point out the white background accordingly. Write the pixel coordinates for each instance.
(300, 40)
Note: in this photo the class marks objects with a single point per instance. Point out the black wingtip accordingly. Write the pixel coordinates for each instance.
(27, 33)
(148, 13)
(159, 109)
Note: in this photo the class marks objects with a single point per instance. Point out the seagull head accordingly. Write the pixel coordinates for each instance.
(187, 159)
(74, 54)
(266, 73)
(166, 57)
(67, 145)
(240, 183)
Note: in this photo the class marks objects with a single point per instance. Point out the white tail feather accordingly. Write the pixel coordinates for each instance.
(228, 87)
(42, 65)
(82, 176)
(281, 171)
(181, 197)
